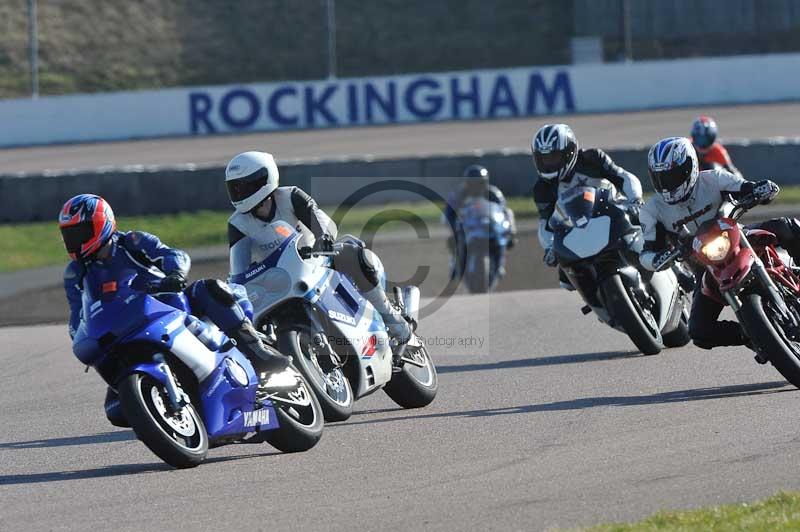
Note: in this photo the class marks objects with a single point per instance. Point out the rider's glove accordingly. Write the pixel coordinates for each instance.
(550, 258)
(765, 191)
(633, 207)
(173, 282)
(323, 244)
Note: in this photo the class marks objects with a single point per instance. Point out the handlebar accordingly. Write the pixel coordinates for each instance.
(741, 206)
(676, 253)
(685, 237)
(308, 252)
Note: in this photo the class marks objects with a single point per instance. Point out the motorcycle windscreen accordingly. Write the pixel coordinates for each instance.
(274, 240)
(575, 206)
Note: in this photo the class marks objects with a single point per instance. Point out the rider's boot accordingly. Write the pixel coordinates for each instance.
(398, 327)
(113, 410)
(264, 358)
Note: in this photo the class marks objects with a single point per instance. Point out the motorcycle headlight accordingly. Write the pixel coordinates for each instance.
(717, 249)
(499, 217)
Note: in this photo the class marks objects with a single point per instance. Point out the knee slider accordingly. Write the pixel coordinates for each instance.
(361, 264)
(371, 267)
(219, 291)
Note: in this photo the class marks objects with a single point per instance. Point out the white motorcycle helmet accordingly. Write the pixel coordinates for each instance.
(250, 178)
(673, 167)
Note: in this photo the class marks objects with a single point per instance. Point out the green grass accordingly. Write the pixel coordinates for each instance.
(32, 245)
(779, 512)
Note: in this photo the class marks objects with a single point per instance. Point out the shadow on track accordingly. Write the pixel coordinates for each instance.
(103, 437)
(542, 361)
(114, 470)
(677, 396)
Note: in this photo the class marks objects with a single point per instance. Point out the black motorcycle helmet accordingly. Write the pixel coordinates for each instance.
(476, 178)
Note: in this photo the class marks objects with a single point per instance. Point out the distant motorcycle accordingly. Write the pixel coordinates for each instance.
(337, 338)
(183, 385)
(486, 230)
(745, 269)
(597, 247)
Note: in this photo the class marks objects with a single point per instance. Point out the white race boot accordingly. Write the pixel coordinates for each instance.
(398, 327)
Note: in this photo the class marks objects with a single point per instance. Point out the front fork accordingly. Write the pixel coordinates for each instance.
(758, 272)
(177, 397)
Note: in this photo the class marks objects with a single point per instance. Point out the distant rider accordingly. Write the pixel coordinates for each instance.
(475, 185)
(687, 196)
(561, 165)
(90, 235)
(710, 153)
(252, 182)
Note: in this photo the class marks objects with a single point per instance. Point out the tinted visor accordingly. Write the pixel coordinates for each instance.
(77, 235)
(702, 140)
(548, 163)
(671, 179)
(243, 188)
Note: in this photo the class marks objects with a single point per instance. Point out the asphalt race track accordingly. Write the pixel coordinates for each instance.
(604, 130)
(545, 418)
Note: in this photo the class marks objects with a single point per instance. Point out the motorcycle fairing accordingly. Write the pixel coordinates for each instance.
(228, 395)
(118, 314)
(590, 239)
(483, 219)
(284, 275)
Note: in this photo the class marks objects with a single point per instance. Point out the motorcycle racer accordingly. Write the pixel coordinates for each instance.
(688, 197)
(561, 165)
(710, 153)
(252, 182)
(475, 185)
(89, 230)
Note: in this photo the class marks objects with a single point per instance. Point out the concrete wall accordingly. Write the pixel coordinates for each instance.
(464, 95)
(166, 190)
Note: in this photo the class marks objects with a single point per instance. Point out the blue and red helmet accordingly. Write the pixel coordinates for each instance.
(704, 132)
(87, 223)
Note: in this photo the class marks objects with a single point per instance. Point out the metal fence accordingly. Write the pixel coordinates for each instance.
(680, 28)
(107, 45)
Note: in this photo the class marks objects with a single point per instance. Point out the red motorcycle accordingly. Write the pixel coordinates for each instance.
(745, 269)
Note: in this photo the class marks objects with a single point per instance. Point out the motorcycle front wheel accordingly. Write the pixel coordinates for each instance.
(179, 439)
(638, 324)
(330, 385)
(478, 274)
(770, 340)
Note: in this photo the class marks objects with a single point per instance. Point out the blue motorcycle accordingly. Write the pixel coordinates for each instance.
(183, 385)
(486, 231)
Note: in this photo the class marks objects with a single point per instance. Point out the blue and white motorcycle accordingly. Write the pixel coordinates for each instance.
(183, 385)
(338, 340)
(486, 231)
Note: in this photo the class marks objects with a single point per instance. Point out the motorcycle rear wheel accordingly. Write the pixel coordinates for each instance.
(179, 440)
(300, 426)
(769, 340)
(414, 386)
(627, 314)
